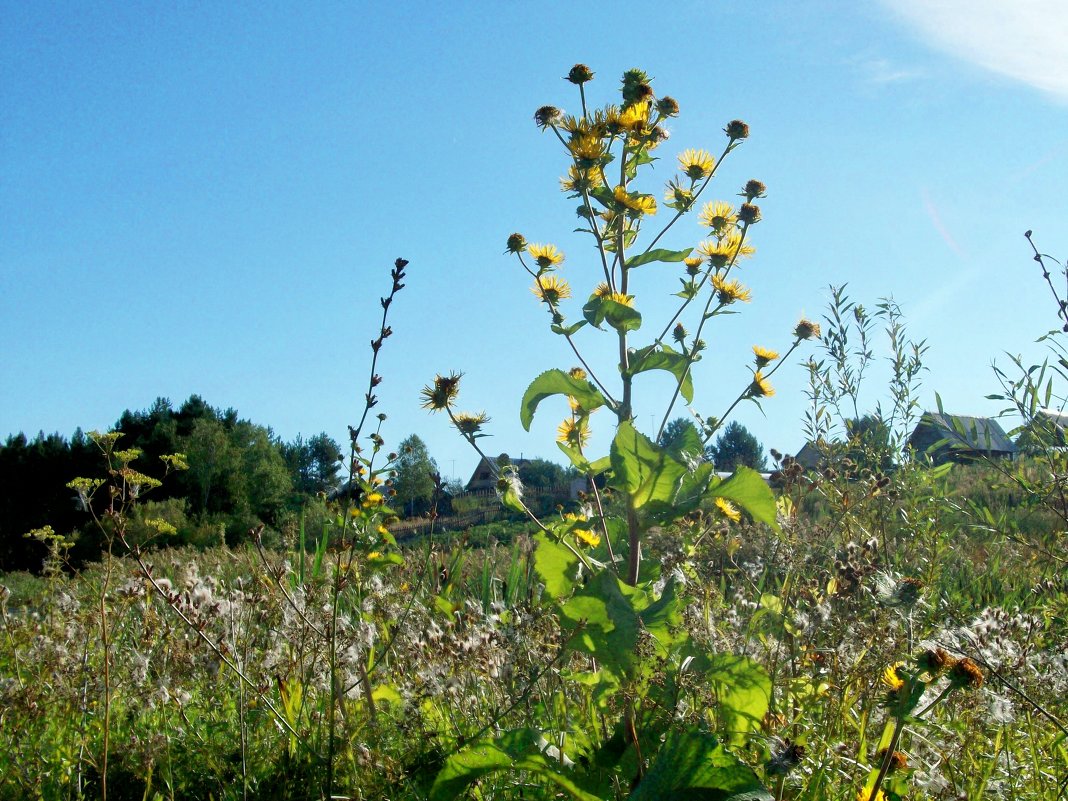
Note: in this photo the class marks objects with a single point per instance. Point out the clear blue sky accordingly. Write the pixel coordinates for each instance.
(207, 198)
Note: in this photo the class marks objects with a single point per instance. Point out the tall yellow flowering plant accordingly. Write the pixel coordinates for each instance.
(614, 609)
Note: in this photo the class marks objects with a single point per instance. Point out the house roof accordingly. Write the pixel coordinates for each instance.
(973, 433)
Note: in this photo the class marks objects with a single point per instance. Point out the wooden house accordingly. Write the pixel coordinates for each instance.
(959, 438)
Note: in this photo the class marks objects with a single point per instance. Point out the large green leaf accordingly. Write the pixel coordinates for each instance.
(694, 766)
(660, 254)
(521, 750)
(747, 488)
(618, 315)
(610, 617)
(555, 565)
(664, 358)
(557, 382)
(743, 690)
(646, 471)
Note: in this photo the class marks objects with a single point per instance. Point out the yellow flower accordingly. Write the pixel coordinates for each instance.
(678, 195)
(635, 116)
(718, 215)
(641, 204)
(725, 249)
(761, 387)
(865, 795)
(587, 537)
(467, 423)
(891, 678)
(551, 289)
(730, 291)
(573, 432)
(764, 356)
(586, 147)
(579, 180)
(577, 373)
(372, 499)
(729, 510)
(697, 164)
(546, 256)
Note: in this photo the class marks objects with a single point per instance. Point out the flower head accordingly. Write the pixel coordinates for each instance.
(806, 329)
(761, 387)
(442, 393)
(965, 673)
(764, 356)
(729, 247)
(580, 180)
(470, 424)
(667, 106)
(749, 214)
(546, 116)
(728, 510)
(736, 129)
(718, 215)
(754, 189)
(677, 195)
(891, 677)
(697, 164)
(545, 256)
(635, 201)
(634, 117)
(551, 289)
(577, 373)
(730, 291)
(580, 74)
(586, 147)
(573, 432)
(516, 243)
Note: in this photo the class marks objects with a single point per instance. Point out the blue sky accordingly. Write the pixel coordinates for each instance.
(207, 198)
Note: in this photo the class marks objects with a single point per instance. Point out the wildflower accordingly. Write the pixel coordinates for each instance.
(580, 180)
(621, 299)
(586, 147)
(546, 256)
(636, 86)
(865, 795)
(761, 387)
(749, 214)
(372, 499)
(697, 164)
(891, 677)
(573, 432)
(577, 373)
(470, 424)
(587, 537)
(678, 195)
(728, 247)
(764, 356)
(634, 117)
(965, 673)
(728, 510)
(730, 291)
(580, 74)
(754, 189)
(903, 592)
(161, 526)
(551, 289)
(635, 201)
(442, 393)
(679, 333)
(667, 106)
(516, 244)
(736, 129)
(806, 329)
(718, 215)
(546, 116)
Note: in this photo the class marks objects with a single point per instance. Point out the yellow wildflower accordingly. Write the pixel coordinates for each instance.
(634, 201)
(580, 180)
(587, 147)
(764, 356)
(729, 510)
(551, 289)
(620, 298)
(442, 393)
(891, 678)
(718, 215)
(602, 290)
(577, 373)
(697, 164)
(545, 256)
(634, 117)
(761, 387)
(573, 432)
(730, 291)
(586, 537)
